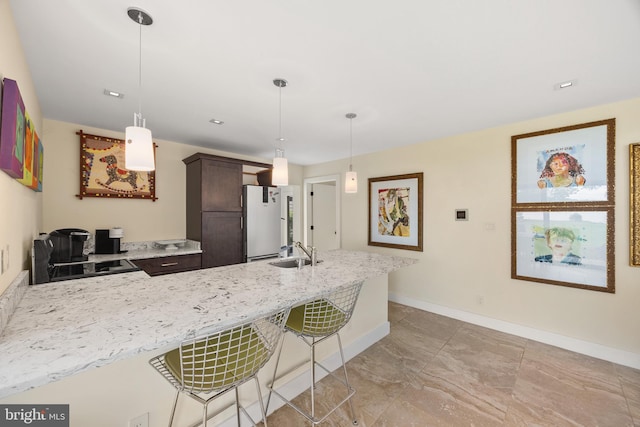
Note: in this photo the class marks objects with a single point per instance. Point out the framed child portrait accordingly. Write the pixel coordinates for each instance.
(573, 164)
(564, 246)
(395, 211)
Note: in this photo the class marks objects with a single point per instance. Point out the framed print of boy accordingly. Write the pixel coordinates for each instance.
(560, 240)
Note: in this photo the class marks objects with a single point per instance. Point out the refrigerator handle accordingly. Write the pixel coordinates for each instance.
(241, 223)
(241, 201)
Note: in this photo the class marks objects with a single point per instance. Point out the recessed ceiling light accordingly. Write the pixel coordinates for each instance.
(564, 85)
(113, 93)
(216, 121)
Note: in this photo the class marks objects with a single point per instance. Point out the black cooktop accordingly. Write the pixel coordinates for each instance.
(81, 270)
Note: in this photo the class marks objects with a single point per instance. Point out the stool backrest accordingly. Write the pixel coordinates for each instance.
(226, 358)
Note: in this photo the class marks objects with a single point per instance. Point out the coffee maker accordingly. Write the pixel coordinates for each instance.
(68, 245)
(108, 241)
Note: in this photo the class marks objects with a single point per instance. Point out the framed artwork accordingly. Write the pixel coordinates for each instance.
(564, 246)
(634, 205)
(29, 152)
(37, 180)
(102, 172)
(395, 211)
(12, 130)
(573, 164)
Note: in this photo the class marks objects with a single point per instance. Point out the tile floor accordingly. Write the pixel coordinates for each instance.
(436, 371)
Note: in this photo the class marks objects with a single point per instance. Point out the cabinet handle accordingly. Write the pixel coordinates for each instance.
(168, 264)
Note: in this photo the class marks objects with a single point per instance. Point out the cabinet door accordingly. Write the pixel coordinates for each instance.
(221, 186)
(221, 238)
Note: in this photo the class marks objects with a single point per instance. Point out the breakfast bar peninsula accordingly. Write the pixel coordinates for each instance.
(60, 332)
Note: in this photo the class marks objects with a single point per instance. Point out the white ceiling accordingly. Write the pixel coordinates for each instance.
(413, 70)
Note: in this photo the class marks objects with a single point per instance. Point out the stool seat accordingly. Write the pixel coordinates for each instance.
(316, 319)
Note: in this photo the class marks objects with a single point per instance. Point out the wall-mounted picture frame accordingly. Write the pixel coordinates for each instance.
(395, 211)
(12, 130)
(564, 246)
(572, 164)
(30, 151)
(634, 204)
(102, 172)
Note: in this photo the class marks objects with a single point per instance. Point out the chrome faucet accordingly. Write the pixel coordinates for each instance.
(311, 252)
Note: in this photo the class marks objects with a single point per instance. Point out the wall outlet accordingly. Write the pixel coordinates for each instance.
(140, 421)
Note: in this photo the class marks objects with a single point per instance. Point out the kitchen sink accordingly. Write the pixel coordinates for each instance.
(290, 263)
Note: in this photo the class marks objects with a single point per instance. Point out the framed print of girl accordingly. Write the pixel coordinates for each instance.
(561, 170)
(574, 164)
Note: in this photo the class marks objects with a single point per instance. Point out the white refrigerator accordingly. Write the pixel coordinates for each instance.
(262, 222)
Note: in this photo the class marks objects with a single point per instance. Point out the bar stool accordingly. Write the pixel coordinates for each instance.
(315, 322)
(222, 360)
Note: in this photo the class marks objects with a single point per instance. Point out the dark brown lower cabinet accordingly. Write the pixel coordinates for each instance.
(221, 241)
(169, 264)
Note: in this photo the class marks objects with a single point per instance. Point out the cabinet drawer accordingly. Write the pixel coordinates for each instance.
(169, 264)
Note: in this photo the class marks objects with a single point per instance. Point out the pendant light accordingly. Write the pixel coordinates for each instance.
(280, 172)
(351, 178)
(138, 152)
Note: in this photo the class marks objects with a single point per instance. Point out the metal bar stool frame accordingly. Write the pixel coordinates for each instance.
(315, 322)
(222, 360)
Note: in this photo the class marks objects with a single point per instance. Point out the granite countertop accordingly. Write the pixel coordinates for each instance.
(62, 328)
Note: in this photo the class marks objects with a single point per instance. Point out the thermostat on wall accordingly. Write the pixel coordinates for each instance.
(462, 214)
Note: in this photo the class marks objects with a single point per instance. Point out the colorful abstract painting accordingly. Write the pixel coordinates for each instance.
(12, 130)
(395, 211)
(28, 152)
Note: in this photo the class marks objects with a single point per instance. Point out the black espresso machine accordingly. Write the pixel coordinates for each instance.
(59, 255)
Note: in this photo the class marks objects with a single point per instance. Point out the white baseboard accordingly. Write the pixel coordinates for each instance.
(300, 382)
(598, 351)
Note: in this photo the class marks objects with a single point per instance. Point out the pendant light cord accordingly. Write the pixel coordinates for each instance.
(350, 144)
(140, 67)
(280, 119)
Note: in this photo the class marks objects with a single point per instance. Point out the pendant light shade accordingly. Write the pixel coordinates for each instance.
(351, 177)
(351, 182)
(280, 172)
(138, 151)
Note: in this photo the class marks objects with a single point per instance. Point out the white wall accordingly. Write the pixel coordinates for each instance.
(464, 262)
(21, 212)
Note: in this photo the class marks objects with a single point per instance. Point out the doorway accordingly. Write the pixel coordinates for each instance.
(322, 212)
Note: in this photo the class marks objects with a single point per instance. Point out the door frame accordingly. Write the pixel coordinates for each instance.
(305, 210)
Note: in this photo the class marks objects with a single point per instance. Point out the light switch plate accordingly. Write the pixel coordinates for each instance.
(462, 214)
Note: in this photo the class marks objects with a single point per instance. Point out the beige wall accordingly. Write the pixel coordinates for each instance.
(21, 212)
(464, 262)
(142, 220)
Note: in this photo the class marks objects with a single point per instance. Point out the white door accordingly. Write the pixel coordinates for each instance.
(323, 233)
